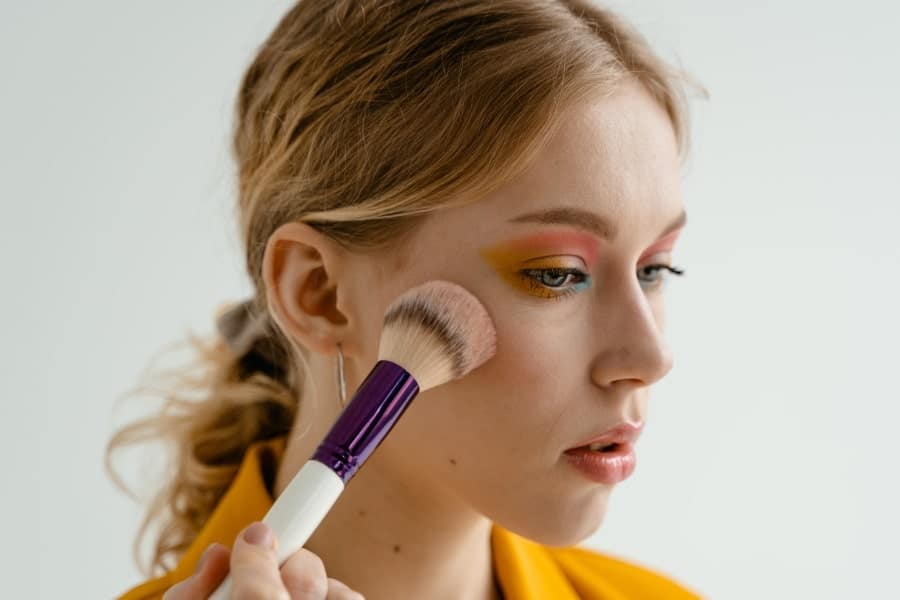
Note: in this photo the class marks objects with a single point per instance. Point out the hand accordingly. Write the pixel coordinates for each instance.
(255, 573)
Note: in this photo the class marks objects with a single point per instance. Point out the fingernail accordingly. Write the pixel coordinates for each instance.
(258, 534)
(203, 558)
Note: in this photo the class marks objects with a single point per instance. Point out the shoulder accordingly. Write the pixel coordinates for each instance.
(598, 575)
(247, 499)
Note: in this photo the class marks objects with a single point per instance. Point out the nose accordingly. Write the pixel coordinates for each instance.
(630, 342)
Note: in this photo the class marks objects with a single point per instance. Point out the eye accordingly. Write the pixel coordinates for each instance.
(556, 282)
(655, 275)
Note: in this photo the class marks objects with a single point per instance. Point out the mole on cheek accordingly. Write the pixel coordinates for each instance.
(362, 513)
(453, 461)
(396, 548)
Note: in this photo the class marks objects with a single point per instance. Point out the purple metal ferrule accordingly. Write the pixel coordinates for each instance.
(369, 416)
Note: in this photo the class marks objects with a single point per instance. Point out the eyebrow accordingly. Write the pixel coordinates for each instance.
(588, 221)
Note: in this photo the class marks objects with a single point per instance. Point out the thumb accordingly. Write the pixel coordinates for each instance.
(254, 566)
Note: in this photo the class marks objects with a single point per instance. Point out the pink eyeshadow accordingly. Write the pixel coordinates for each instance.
(664, 244)
(560, 242)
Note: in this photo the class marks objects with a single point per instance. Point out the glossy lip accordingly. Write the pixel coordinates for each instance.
(604, 467)
(623, 433)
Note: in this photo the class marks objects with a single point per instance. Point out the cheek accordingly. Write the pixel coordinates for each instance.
(504, 405)
(525, 364)
(529, 378)
(658, 308)
(536, 343)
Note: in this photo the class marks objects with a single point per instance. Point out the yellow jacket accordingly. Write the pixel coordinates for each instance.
(524, 569)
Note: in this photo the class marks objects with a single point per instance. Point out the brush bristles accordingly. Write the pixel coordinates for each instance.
(437, 331)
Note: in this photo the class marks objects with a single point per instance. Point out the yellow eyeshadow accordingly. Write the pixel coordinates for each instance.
(508, 265)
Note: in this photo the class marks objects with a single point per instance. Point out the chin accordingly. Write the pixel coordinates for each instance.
(572, 525)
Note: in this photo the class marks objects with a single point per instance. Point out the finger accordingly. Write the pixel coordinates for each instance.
(338, 590)
(254, 568)
(303, 574)
(211, 570)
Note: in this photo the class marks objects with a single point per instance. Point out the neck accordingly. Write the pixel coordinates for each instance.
(390, 536)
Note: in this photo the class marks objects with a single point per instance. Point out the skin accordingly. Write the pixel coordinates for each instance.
(415, 521)
(255, 573)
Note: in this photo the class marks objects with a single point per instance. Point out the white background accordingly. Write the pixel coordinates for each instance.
(768, 466)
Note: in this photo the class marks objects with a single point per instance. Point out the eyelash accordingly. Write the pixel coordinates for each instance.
(533, 279)
(666, 271)
(533, 276)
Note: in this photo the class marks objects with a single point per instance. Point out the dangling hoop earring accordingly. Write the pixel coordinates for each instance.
(342, 384)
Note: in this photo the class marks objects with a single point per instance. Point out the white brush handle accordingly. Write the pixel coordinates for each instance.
(297, 512)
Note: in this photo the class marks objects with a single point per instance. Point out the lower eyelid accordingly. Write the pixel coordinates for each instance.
(530, 279)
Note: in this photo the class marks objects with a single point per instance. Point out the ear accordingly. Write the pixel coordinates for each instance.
(302, 269)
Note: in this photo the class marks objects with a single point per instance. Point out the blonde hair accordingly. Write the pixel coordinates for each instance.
(359, 117)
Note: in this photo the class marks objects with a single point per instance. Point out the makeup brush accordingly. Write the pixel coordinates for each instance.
(433, 333)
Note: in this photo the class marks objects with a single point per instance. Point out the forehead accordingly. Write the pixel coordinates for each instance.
(614, 155)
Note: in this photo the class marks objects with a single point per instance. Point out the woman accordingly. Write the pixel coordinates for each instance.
(528, 150)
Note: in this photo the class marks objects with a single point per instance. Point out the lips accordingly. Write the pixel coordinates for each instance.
(623, 434)
(608, 468)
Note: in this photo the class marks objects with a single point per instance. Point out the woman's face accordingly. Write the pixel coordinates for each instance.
(576, 350)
